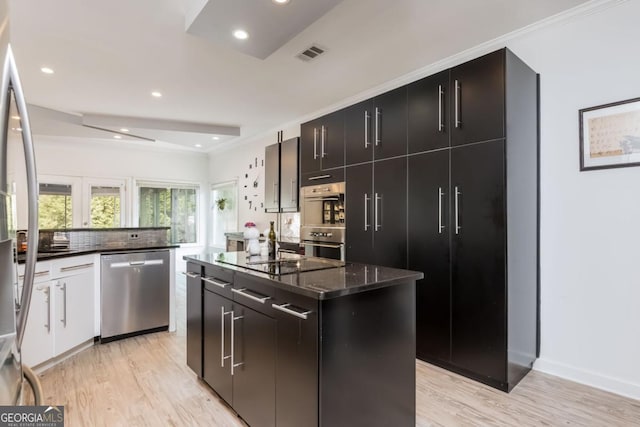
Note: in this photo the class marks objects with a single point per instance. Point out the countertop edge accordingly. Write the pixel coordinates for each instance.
(318, 294)
(67, 254)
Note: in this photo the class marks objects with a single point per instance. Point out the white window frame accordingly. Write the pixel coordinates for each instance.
(213, 206)
(77, 201)
(87, 183)
(154, 183)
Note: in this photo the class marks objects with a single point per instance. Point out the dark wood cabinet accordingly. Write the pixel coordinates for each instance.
(477, 308)
(239, 350)
(359, 208)
(428, 113)
(429, 251)
(217, 345)
(478, 327)
(281, 177)
(390, 124)
(358, 135)
(376, 202)
(478, 99)
(194, 317)
(322, 143)
(297, 361)
(322, 177)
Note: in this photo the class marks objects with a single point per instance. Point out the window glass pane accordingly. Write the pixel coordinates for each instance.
(105, 207)
(55, 205)
(170, 207)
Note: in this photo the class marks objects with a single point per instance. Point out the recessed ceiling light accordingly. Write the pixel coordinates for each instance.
(215, 138)
(156, 94)
(124, 130)
(46, 70)
(15, 117)
(117, 136)
(198, 145)
(241, 34)
(281, 1)
(19, 129)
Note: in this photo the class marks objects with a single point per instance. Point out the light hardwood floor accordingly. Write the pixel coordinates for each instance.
(144, 381)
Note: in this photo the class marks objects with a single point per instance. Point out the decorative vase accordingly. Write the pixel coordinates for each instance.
(252, 235)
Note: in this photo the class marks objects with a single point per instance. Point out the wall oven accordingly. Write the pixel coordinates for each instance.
(323, 220)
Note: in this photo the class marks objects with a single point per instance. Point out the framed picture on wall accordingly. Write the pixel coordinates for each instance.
(610, 135)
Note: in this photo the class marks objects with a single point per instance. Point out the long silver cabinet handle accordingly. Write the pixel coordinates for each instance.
(457, 104)
(440, 225)
(367, 199)
(222, 356)
(293, 191)
(191, 275)
(218, 283)
(80, 267)
(313, 178)
(440, 93)
(63, 288)
(47, 300)
(457, 213)
(322, 140)
(315, 143)
(242, 292)
(283, 308)
(275, 192)
(38, 274)
(367, 118)
(377, 130)
(376, 215)
(233, 347)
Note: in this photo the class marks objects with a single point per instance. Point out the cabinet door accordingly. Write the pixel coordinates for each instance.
(390, 124)
(272, 178)
(428, 121)
(358, 136)
(309, 146)
(194, 318)
(37, 344)
(429, 251)
(477, 90)
(217, 345)
(74, 313)
(390, 212)
(296, 361)
(289, 179)
(359, 213)
(478, 259)
(331, 142)
(254, 350)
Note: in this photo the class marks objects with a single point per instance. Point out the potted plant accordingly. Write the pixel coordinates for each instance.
(221, 203)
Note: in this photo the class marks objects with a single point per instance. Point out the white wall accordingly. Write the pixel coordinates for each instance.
(85, 158)
(590, 290)
(233, 163)
(589, 220)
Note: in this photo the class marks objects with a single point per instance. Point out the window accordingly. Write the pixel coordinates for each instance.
(168, 205)
(224, 208)
(55, 206)
(105, 207)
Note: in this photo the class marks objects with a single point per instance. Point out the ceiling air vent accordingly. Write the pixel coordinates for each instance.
(312, 52)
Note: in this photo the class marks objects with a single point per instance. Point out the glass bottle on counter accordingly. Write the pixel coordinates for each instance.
(272, 242)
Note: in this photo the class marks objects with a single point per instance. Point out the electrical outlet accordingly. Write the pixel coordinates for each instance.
(133, 236)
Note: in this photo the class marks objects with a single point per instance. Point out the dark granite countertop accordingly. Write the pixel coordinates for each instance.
(322, 284)
(45, 256)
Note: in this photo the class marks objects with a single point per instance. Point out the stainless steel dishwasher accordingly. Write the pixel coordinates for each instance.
(134, 288)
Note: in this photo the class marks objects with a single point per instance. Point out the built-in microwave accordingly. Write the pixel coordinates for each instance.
(323, 219)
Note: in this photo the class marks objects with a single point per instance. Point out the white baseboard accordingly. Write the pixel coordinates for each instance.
(603, 382)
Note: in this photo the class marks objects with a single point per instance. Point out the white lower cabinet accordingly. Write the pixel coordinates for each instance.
(62, 310)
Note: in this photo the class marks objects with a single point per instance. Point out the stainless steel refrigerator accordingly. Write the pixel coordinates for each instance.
(17, 158)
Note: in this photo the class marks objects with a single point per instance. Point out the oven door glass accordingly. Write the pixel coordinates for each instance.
(324, 210)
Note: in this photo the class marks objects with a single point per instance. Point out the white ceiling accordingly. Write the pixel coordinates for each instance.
(109, 55)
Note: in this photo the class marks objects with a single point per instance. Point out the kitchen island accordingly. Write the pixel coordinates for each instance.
(283, 346)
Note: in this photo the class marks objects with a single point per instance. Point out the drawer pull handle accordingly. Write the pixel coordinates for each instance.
(242, 292)
(191, 275)
(313, 178)
(38, 274)
(77, 267)
(283, 308)
(218, 283)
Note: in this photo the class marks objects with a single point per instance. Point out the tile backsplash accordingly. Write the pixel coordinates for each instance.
(104, 238)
